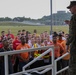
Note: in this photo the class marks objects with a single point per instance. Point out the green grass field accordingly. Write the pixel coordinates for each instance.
(15, 27)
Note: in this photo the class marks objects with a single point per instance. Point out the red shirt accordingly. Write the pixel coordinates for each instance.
(16, 42)
(12, 36)
(1, 45)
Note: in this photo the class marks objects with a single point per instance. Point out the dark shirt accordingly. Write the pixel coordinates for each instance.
(2, 57)
(2, 66)
(72, 31)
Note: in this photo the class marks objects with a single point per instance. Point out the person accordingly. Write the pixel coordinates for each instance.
(71, 41)
(58, 48)
(23, 32)
(23, 57)
(3, 35)
(36, 53)
(16, 42)
(35, 32)
(65, 60)
(10, 35)
(2, 66)
(19, 32)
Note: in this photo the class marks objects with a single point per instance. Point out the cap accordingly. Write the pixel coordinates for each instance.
(72, 3)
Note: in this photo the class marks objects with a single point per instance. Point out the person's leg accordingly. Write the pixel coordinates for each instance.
(2, 68)
(31, 66)
(15, 67)
(10, 68)
(21, 64)
(64, 64)
(47, 62)
(72, 65)
(72, 61)
(67, 71)
(59, 66)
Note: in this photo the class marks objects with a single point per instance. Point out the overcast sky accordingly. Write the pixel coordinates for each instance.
(30, 8)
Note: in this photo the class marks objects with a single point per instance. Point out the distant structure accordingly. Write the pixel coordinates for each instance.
(58, 18)
(60, 12)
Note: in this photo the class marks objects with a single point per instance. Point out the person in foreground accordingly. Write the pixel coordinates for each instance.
(71, 41)
(2, 66)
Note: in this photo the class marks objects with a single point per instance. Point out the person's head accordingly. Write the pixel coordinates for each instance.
(38, 40)
(5, 43)
(3, 36)
(2, 33)
(46, 33)
(48, 37)
(60, 36)
(72, 7)
(23, 40)
(9, 31)
(42, 35)
(24, 31)
(63, 33)
(19, 31)
(35, 31)
(33, 40)
(54, 33)
(11, 46)
(66, 36)
(18, 36)
(54, 38)
(29, 35)
(34, 35)
(45, 41)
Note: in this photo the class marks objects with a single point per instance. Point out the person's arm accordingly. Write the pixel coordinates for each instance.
(69, 40)
(72, 34)
(67, 22)
(72, 29)
(61, 49)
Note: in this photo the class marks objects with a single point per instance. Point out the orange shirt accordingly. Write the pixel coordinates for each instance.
(63, 43)
(24, 55)
(57, 49)
(68, 56)
(60, 41)
(64, 46)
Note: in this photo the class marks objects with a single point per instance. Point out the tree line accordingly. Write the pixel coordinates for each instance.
(57, 18)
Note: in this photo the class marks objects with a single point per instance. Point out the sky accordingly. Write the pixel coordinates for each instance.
(31, 8)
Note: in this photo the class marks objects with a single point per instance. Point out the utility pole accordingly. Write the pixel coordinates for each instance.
(51, 16)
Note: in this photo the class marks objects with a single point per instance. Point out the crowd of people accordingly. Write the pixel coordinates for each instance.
(25, 40)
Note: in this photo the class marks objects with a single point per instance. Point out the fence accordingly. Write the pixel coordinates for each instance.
(53, 66)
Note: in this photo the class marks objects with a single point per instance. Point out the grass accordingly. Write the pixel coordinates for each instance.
(15, 27)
